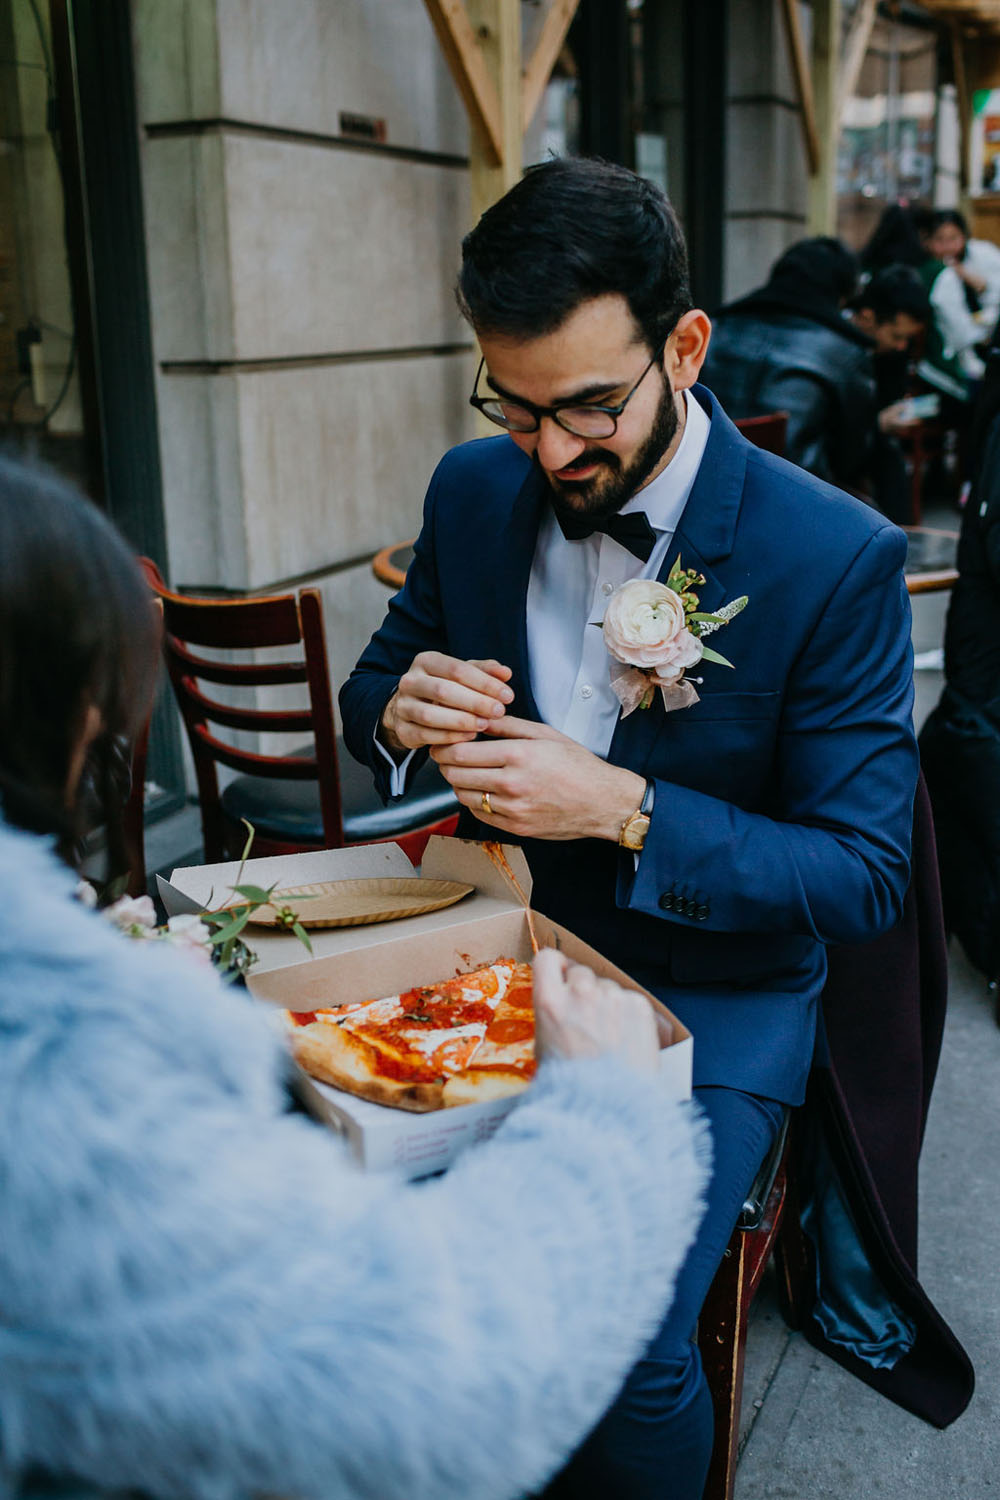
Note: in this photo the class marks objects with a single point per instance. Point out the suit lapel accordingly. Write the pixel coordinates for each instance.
(703, 540)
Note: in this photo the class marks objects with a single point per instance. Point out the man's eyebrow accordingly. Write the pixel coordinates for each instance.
(586, 393)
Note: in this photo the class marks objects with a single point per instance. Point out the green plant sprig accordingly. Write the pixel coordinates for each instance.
(231, 953)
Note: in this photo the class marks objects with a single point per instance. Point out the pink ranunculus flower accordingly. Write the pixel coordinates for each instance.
(644, 627)
(685, 651)
(132, 912)
(189, 932)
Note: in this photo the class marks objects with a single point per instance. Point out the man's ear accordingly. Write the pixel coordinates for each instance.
(864, 318)
(686, 349)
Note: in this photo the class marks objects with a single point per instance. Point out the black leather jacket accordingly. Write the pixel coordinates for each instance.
(763, 359)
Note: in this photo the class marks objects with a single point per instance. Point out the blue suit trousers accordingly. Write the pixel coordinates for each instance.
(655, 1442)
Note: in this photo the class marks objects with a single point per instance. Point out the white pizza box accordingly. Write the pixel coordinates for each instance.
(386, 958)
(389, 957)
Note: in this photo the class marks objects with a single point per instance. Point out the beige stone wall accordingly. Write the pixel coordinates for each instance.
(766, 169)
(311, 365)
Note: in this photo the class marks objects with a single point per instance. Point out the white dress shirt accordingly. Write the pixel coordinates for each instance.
(568, 591)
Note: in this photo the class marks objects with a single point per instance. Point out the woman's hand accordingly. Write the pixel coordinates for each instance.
(579, 1015)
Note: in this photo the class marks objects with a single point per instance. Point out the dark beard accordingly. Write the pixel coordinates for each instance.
(605, 495)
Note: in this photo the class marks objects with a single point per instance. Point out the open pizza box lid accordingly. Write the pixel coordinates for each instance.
(201, 887)
(391, 957)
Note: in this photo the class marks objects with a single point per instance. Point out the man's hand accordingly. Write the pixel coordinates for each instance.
(444, 701)
(579, 1015)
(541, 784)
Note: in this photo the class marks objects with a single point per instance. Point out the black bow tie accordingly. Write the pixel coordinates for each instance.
(632, 531)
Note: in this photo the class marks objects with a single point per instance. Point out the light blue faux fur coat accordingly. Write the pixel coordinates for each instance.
(200, 1295)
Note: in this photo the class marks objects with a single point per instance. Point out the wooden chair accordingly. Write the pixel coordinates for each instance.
(768, 432)
(768, 1225)
(312, 798)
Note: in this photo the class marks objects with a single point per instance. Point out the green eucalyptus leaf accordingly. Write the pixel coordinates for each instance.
(302, 936)
(255, 893)
(709, 655)
(234, 928)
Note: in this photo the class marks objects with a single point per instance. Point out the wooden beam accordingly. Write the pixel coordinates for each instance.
(963, 102)
(803, 82)
(497, 26)
(558, 19)
(855, 48)
(464, 57)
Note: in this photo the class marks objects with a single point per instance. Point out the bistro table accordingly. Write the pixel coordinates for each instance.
(930, 560)
(390, 565)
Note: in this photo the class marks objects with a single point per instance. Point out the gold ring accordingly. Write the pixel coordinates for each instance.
(486, 804)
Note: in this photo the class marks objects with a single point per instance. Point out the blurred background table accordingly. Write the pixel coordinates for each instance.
(390, 565)
(930, 560)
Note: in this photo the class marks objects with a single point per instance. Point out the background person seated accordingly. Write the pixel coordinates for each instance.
(952, 362)
(791, 347)
(975, 262)
(202, 1294)
(960, 742)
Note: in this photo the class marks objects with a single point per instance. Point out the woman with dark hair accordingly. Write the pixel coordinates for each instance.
(77, 662)
(975, 262)
(895, 241)
(960, 742)
(202, 1295)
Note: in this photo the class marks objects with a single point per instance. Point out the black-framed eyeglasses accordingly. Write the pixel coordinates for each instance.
(584, 421)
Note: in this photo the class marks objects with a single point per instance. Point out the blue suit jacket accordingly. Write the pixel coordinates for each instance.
(783, 798)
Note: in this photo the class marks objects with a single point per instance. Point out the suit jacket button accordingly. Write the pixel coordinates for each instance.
(690, 907)
(667, 901)
(701, 913)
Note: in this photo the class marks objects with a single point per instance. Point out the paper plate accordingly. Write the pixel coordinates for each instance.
(353, 903)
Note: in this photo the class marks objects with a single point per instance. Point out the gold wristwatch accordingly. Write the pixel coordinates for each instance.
(636, 825)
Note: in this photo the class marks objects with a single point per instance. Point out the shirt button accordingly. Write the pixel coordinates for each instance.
(607, 588)
(586, 691)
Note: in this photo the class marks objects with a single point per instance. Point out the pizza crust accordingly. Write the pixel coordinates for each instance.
(338, 1057)
(478, 1085)
(348, 1050)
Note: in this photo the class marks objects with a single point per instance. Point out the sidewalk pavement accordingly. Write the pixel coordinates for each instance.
(813, 1432)
(820, 1434)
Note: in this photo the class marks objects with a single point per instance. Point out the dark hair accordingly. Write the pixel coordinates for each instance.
(572, 229)
(896, 289)
(895, 240)
(924, 220)
(822, 263)
(950, 216)
(76, 629)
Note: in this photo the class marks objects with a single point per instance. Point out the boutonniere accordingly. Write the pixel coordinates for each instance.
(654, 632)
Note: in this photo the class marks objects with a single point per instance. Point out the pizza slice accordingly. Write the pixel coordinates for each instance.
(420, 1050)
(504, 1062)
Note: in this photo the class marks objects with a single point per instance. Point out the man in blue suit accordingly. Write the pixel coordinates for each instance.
(712, 851)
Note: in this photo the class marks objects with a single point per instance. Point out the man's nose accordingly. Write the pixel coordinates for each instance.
(555, 447)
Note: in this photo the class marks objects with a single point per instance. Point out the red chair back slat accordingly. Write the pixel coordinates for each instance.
(237, 674)
(273, 721)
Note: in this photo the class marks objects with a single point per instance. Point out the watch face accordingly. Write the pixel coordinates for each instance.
(633, 835)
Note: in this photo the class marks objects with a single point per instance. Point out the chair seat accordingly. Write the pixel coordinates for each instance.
(290, 810)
